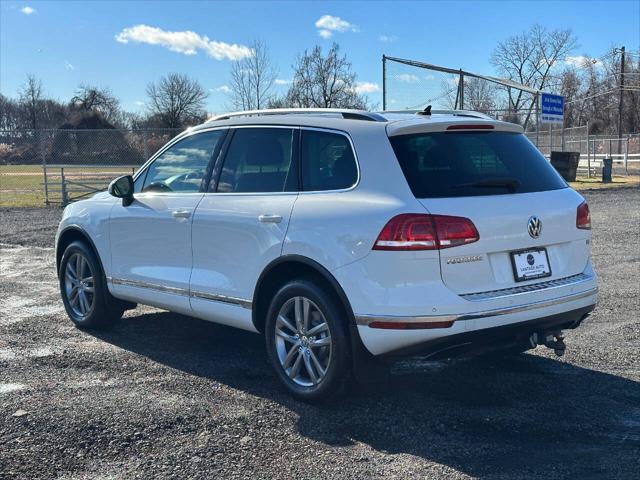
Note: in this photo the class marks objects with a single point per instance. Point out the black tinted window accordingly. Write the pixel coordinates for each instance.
(327, 161)
(457, 164)
(182, 167)
(259, 160)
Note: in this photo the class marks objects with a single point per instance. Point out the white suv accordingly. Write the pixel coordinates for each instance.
(345, 237)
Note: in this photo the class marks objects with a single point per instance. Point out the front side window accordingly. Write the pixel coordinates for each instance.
(259, 160)
(327, 161)
(182, 167)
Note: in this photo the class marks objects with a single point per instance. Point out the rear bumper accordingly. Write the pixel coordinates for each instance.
(488, 339)
(424, 321)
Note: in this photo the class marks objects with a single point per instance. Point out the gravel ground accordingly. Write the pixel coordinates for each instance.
(162, 395)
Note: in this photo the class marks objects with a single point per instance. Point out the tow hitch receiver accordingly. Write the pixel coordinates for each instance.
(552, 340)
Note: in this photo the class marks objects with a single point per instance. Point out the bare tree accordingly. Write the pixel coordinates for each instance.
(100, 100)
(252, 79)
(177, 100)
(30, 96)
(529, 59)
(324, 81)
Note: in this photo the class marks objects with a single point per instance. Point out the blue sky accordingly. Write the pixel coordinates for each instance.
(125, 45)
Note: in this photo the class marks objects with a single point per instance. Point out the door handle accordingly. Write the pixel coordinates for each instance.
(270, 218)
(181, 213)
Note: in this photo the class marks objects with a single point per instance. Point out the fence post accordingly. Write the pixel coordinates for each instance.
(588, 153)
(44, 166)
(562, 138)
(63, 188)
(145, 146)
(626, 156)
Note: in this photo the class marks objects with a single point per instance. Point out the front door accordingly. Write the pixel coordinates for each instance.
(239, 228)
(151, 238)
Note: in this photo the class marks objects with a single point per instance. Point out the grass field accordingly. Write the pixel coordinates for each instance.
(22, 185)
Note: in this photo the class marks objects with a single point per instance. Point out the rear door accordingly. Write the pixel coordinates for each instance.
(240, 225)
(502, 183)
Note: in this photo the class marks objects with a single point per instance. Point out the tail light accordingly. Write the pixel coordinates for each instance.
(583, 216)
(415, 231)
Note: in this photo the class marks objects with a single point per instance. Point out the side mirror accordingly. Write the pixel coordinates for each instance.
(122, 187)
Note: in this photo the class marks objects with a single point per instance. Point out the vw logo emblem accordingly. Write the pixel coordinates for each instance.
(534, 227)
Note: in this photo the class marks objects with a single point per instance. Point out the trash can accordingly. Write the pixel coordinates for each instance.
(607, 167)
(566, 163)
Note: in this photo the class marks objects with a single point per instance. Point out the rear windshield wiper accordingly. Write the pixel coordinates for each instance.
(511, 184)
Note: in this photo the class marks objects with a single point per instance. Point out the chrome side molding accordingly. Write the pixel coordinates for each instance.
(183, 292)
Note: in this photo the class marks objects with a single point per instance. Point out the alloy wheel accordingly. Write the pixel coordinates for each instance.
(79, 285)
(303, 341)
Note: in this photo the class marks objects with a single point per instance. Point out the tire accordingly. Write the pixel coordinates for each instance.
(312, 363)
(84, 291)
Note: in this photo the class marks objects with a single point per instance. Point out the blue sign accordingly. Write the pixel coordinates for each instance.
(552, 108)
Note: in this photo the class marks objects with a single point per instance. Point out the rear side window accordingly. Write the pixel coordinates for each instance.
(327, 161)
(259, 160)
(461, 164)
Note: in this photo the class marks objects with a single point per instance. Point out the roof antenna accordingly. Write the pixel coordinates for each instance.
(426, 111)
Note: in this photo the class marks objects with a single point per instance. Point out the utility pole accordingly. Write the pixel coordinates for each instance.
(620, 101)
(384, 82)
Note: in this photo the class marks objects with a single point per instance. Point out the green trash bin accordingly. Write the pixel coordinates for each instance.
(566, 163)
(607, 168)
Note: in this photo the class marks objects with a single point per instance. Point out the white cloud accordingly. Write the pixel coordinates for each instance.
(429, 77)
(28, 10)
(186, 42)
(223, 89)
(68, 65)
(327, 25)
(139, 103)
(366, 87)
(282, 81)
(581, 61)
(407, 78)
(387, 38)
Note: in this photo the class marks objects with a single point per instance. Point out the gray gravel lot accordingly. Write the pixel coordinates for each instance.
(162, 395)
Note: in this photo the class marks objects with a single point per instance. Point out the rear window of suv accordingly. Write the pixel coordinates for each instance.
(462, 164)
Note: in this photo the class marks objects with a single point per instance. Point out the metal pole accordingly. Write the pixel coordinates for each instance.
(44, 166)
(588, 153)
(550, 139)
(461, 87)
(537, 120)
(620, 101)
(384, 82)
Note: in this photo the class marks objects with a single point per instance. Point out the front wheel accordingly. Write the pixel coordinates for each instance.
(307, 341)
(83, 289)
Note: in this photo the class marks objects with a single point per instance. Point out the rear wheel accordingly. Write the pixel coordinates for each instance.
(307, 341)
(83, 289)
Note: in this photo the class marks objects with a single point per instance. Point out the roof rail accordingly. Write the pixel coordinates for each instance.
(458, 113)
(346, 113)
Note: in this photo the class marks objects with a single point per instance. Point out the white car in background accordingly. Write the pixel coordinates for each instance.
(344, 237)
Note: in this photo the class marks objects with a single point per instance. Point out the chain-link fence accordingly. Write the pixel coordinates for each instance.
(57, 166)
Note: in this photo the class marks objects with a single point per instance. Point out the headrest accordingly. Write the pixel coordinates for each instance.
(263, 151)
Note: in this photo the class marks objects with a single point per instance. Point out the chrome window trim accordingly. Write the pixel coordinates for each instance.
(524, 289)
(187, 133)
(368, 319)
(355, 157)
(182, 292)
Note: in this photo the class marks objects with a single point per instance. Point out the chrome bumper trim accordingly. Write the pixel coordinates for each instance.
(522, 289)
(368, 319)
(183, 292)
